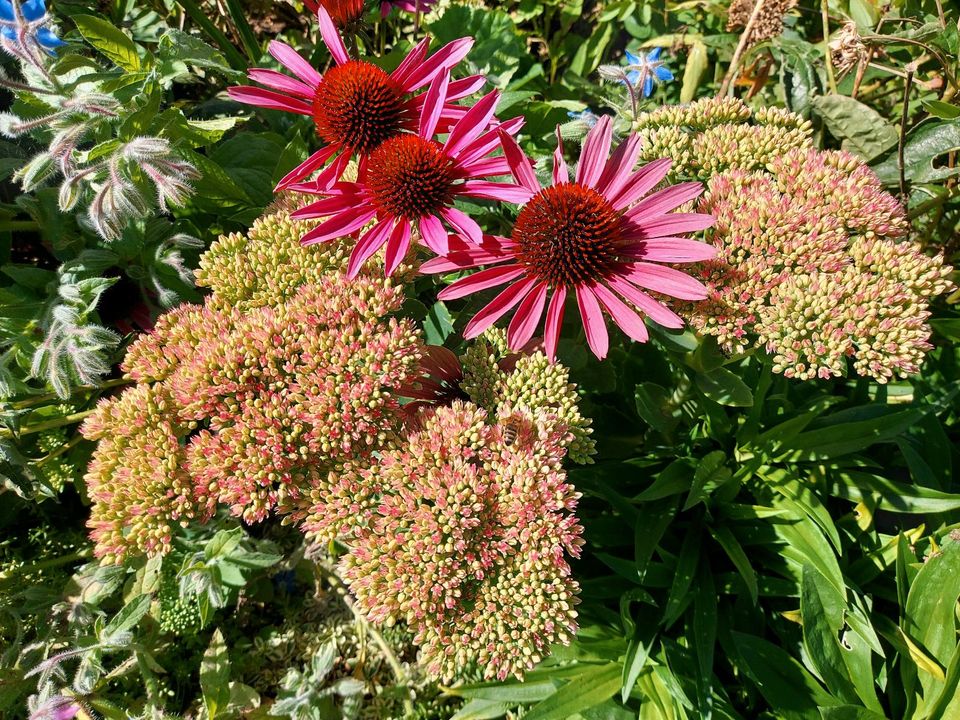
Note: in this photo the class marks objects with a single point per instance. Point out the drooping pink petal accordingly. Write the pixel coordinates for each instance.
(483, 280)
(397, 246)
(593, 322)
(411, 61)
(505, 192)
(656, 311)
(279, 81)
(327, 177)
(560, 172)
(642, 182)
(433, 104)
(331, 37)
(488, 141)
(520, 165)
(369, 243)
(268, 99)
(663, 201)
(624, 316)
(460, 89)
(433, 234)
(498, 307)
(665, 280)
(670, 249)
(551, 328)
(471, 124)
(294, 62)
(446, 57)
(676, 224)
(463, 255)
(619, 167)
(307, 167)
(463, 224)
(338, 226)
(527, 317)
(596, 149)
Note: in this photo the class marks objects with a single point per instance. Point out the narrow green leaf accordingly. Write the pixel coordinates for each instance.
(215, 676)
(580, 693)
(128, 617)
(637, 653)
(731, 546)
(724, 387)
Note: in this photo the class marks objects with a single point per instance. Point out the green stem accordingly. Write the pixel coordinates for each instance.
(828, 61)
(79, 390)
(18, 225)
(71, 419)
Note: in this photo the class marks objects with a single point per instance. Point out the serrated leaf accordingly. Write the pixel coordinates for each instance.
(215, 676)
(861, 129)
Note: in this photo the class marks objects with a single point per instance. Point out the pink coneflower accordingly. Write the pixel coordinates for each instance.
(342, 12)
(590, 237)
(409, 182)
(410, 6)
(355, 106)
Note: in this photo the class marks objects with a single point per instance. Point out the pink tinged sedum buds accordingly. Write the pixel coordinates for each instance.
(468, 540)
(813, 262)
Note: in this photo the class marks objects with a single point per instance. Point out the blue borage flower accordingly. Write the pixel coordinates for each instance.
(644, 70)
(20, 22)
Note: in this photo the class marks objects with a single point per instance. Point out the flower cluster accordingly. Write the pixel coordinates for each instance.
(598, 238)
(815, 268)
(468, 541)
(712, 135)
(247, 405)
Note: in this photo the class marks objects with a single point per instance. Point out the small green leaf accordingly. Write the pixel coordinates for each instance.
(109, 40)
(128, 617)
(940, 109)
(696, 66)
(724, 387)
(215, 676)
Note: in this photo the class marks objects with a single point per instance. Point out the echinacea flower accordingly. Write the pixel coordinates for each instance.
(22, 24)
(644, 69)
(409, 182)
(593, 238)
(355, 106)
(410, 6)
(342, 12)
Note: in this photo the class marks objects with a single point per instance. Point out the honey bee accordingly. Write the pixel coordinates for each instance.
(510, 428)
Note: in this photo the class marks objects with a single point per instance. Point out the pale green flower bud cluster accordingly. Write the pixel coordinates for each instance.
(712, 135)
(493, 376)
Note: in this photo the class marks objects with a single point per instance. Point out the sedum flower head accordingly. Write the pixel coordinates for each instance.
(814, 266)
(712, 135)
(248, 405)
(468, 541)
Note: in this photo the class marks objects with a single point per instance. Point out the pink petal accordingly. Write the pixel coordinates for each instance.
(527, 317)
(333, 172)
(560, 172)
(463, 224)
(551, 328)
(327, 206)
(369, 243)
(671, 249)
(294, 62)
(338, 226)
(485, 167)
(665, 280)
(520, 165)
(483, 280)
(675, 224)
(331, 38)
(279, 81)
(656, 311)
(467, 86)
(472, 124)
(433, 104)
(596, 149)
(663, 201)
(619, 167)
(412, 60)
(307, 167)
(498, 307)
(506, 192)
(444, 59)
(433, 234)
(269, 99)
(624, 316)
(397, 246)
(593, 322)
(642, 182)
(463, 255)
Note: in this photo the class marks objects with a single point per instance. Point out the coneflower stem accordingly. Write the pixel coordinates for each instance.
(827, 59)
